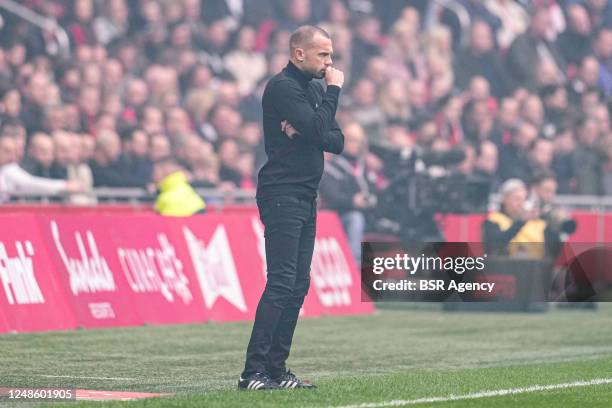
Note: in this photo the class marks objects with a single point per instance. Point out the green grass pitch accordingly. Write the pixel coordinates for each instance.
(396, 354)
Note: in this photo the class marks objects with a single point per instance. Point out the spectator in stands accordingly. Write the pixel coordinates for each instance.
(394, 101)
(418, 99)
(187, 147)
(481, 59)
(113, 24)
(478, 123)
(586, 79)
(586, 158)
(448, 120)
(426, 133)
(246, 168)
(437, 41)
(137, 94)
(176, 197)
(377, 71)
(346, 187)
(589, 101)
(397, 136)
(159, 148)
(605, 146)
(600, 12)
(530, 48)
(226, 123)
(81, 26)
(485, 167)
(14, 179)
(479, 11)
(35, 94)
(441, 76)
(564, 144)
(505, 122)
(513, 160)
(541, 156)
(89, 107)
(532, 111)
(514, 20)
(135, 155)
(215, 45)
(543, 192)
(151, 120)
(87, 146)
(39, 160)
(366, 110)
(556, 109)
(229, 157)
(205, 170)
(601, 114)
(54, 118)
(405, 56)
(365, 45)
(602, 47)
(250, 139)
(105, 121)
(575, 41)
(106, 167)
(246, 64)
(468, 164)
(112, 104)
(68, 158)
(177, 122)
(296, 13)
(10, 105)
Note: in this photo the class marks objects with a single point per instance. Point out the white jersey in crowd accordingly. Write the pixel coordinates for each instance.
(15, 179)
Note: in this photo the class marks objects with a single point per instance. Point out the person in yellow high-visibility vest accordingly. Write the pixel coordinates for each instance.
(516, 229)
(176, 196)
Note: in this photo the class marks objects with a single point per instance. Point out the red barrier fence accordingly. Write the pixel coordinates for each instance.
(62, 271)
(592, 227)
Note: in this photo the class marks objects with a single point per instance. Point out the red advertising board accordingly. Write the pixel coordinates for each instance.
(335, 283)
(84, 258)
(607, 228)
(163, 287)
(4, 327)
(61, 271)
(31, 299)
(223, 253)
(589, 227)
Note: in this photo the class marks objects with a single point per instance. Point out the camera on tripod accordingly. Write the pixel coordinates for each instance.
(423, 184)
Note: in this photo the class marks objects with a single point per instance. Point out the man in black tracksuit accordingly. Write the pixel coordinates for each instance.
(299, 125)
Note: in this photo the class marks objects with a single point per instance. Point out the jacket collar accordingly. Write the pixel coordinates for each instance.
(302, 77)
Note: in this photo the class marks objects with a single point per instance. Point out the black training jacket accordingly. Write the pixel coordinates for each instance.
(295, 166)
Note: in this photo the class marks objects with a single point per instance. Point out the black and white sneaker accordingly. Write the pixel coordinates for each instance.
(290, 380)
(257, 381)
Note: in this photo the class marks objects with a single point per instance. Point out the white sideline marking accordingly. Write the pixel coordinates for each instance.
(85, 378)
(481, 394)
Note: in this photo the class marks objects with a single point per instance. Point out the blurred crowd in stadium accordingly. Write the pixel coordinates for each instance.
(523, 89)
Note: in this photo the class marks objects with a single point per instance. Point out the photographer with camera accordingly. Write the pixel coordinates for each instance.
(524, 227)
(347, 186)
(543, 191)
